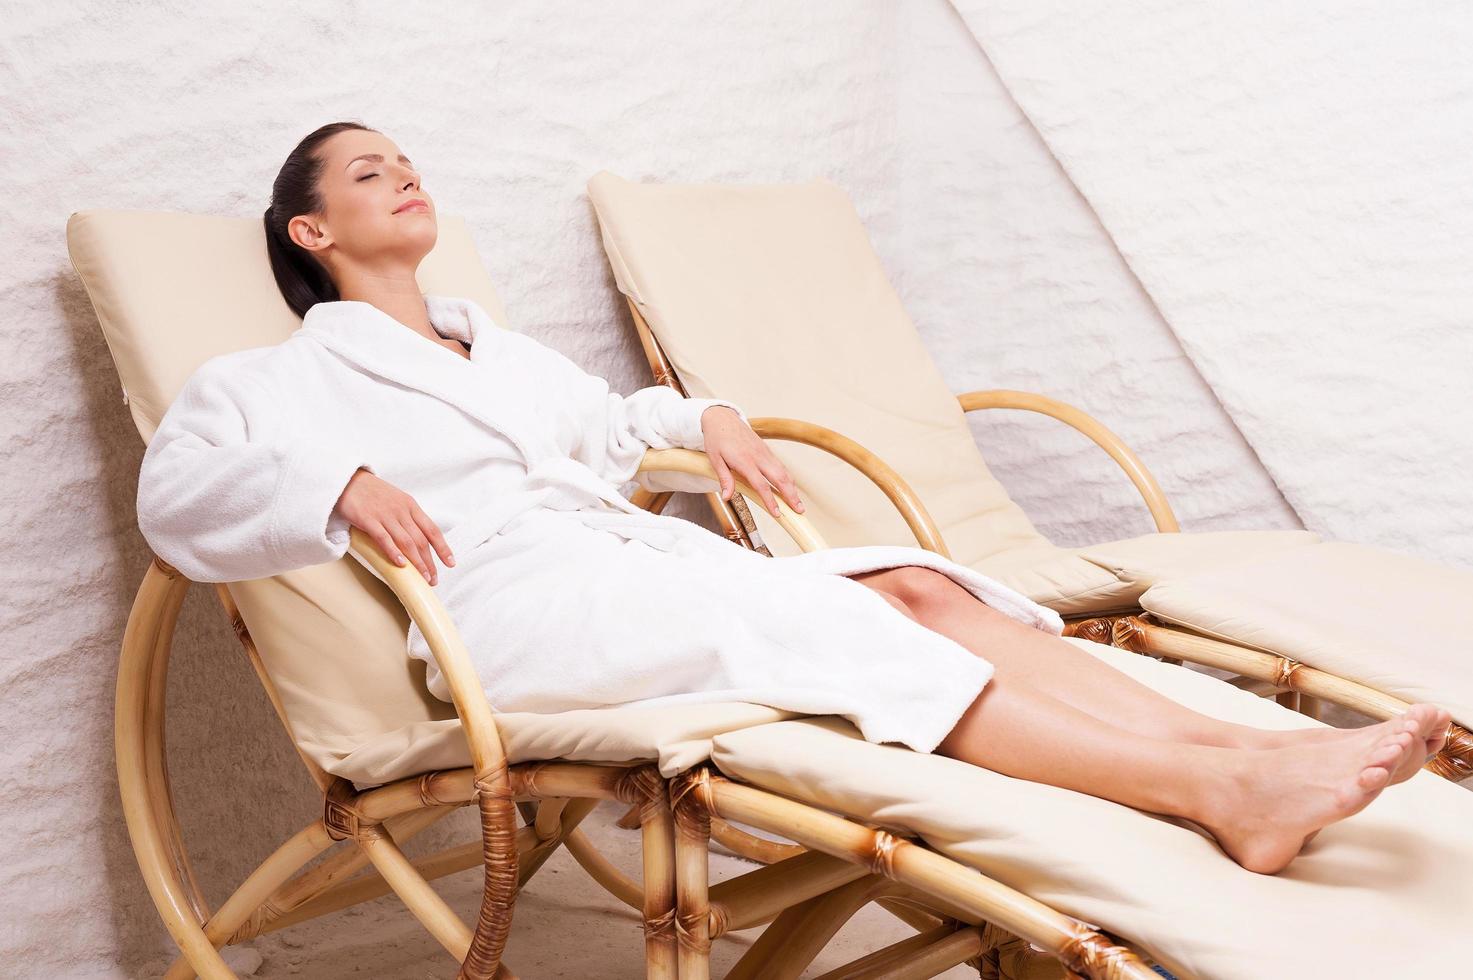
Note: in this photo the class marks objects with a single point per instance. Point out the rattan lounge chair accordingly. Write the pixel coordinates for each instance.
(772, 296)
(870, 822)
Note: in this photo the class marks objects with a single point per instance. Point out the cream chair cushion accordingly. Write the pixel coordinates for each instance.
(1142, 562)
(1110, 578)
(1385, 893)
(1059, 578)
(173, 290)
(359, 708)
(1392, 622)
(772, 296)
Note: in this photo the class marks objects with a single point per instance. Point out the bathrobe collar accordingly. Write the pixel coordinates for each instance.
(372, 340)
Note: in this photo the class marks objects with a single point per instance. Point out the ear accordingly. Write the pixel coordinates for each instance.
(309, 233)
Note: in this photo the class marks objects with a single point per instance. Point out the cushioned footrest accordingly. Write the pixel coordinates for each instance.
(1384, 893)
(1389, 621)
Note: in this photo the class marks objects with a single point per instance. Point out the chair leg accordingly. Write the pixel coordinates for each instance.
(645, 786)
(692, 879)
(250, 898)
(137, 738)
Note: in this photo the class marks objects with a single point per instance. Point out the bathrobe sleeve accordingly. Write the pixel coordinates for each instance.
(610, 432)
(230, 489)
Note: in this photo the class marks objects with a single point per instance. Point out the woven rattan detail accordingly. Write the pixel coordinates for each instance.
(882, 853)
(426, 788)
(642, 785)
(690, 798)
(1455, 760)
(1094, 630)
(341, 819)
(1129, 633)
(687, 928)
(1088, 953)
(499, 855)
(658, 927)
(1284, 669)
(165, 567)
(252, 927)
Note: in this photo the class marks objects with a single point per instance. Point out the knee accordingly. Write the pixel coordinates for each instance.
(923, 588)
(897, 602)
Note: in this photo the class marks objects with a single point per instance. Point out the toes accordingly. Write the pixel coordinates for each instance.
(1373, 778)
(1388, 754)
(1428, 717)
(1400, 739)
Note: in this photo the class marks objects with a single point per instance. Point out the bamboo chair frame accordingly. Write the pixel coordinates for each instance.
(803, 895)
(1294, 684)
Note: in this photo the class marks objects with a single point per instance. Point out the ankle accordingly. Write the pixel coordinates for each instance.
(1234, 737)
(1219, 781)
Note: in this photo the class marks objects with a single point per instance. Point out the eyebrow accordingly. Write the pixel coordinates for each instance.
(376, 158)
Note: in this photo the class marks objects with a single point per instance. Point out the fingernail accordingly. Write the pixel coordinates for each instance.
(452, 560)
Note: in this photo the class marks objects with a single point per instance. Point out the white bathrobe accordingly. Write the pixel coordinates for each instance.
(566, 594)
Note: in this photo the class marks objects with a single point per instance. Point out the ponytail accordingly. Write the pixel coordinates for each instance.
(303, 280)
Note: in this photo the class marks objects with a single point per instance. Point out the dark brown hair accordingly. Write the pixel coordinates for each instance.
(300, 277)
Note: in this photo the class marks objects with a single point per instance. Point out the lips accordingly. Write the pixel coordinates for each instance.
(413, 204)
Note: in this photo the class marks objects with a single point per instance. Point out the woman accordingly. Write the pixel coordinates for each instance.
(389, 406)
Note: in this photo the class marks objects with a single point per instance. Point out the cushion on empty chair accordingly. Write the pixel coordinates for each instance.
(1384, 893)
(1110, 578)
(1390, 621)
(1152, 558)
(771, 296)
(1060, 579)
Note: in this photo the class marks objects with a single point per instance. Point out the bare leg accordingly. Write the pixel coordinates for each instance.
(1260, 805)
(1057, 668)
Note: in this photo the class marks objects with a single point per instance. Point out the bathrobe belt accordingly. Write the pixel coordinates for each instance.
(560, 483)
(594, 501)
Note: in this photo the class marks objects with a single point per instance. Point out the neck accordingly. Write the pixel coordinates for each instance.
(398, 295)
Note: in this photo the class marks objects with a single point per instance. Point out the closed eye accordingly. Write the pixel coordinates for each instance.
(366, 176)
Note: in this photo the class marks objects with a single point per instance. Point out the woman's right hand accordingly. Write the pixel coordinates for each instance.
(394, 521)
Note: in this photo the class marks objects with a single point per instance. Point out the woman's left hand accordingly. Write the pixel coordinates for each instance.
(733, 447)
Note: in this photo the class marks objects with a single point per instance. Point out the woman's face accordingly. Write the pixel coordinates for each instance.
(375, 215)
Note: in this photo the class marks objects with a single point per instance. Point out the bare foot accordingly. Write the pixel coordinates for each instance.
(1438, 741)
(1277, 800)
(1287, 738)
(1431, 727)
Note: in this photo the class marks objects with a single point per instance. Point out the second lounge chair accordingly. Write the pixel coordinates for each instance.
(772, 296)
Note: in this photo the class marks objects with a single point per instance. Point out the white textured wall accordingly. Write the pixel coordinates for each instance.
(509, 110)
(1014, 283)
(1291, 184)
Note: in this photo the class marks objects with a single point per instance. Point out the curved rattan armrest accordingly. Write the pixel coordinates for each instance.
(444, 641)
(875, 469)
(696, 463)
(1122, 454)
(494, 792)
